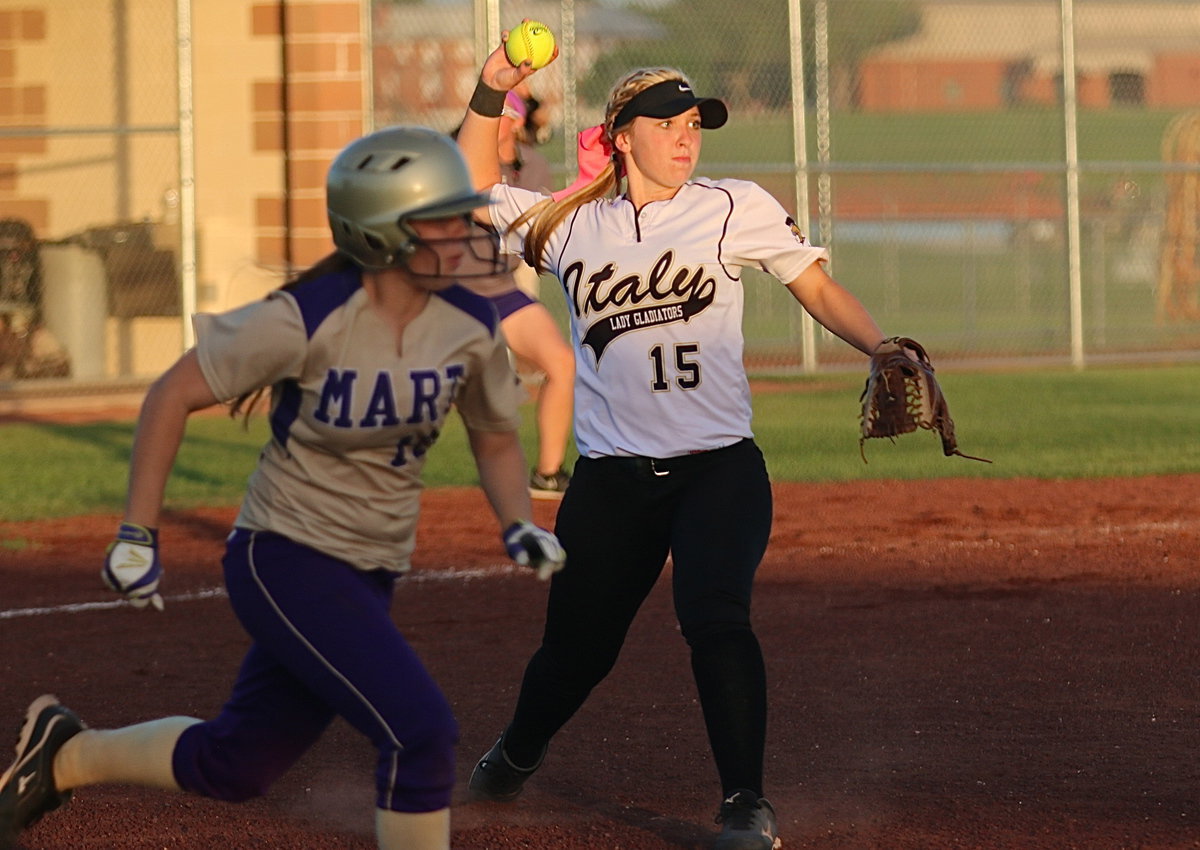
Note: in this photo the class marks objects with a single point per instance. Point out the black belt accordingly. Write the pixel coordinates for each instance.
(660, 467)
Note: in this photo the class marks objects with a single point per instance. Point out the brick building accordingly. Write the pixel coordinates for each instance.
(979, 56)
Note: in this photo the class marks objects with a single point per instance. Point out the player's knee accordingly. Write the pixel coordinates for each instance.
(418, 775)
(233, 780)
(436, 732)
(226, 767)
(572, 665)
(702, 631)
(440, 733)
(232, 786)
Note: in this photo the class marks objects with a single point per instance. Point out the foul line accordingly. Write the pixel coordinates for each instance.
(419, 577)
(80, 607)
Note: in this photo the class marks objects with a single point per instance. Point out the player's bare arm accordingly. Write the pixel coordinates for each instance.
(502, 474)
(835, 308)
(501, 464)
(478, 136)
(181, 390)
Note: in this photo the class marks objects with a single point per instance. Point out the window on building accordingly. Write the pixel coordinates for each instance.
(1016, 78)
(1126, 88)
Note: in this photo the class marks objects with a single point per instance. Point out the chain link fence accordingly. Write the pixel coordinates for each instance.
(89, 167)
(971, 195)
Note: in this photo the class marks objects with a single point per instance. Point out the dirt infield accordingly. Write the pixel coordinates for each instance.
(1014, 666)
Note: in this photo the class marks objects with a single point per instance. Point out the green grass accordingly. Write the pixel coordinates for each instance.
(64, 470)
(1041, 424)
(984, 292)
(1002, 136)
(1038, 424)
(1004, 287)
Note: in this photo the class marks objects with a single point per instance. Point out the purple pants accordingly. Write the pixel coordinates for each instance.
(324, 645)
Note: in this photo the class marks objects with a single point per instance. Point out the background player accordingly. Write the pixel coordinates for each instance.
(668, 463)
(531, 331)
(365, 354)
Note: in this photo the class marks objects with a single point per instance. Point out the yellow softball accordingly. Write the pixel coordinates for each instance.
(530, 41)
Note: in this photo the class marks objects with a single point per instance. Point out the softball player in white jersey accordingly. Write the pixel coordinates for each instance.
(365, 354)
(650, 260)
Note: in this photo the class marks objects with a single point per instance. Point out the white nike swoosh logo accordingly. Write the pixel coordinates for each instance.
(682, 87)
(23, 783)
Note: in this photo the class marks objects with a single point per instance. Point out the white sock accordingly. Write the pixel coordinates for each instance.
(413, 830)
(136, 755)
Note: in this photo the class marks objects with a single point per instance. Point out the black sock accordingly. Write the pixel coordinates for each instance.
(731, 680)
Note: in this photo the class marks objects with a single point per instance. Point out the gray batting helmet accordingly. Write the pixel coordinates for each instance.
(385, 179)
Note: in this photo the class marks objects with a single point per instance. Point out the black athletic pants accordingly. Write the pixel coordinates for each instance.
(619, 520)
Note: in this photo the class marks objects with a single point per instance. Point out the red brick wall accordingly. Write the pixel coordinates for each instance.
(933, 86)
(446, 70)
(22, 104)
(1092, 91)
(1175, 80)
(887, 86)
(324, 112)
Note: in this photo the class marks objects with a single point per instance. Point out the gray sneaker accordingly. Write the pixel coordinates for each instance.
(498, 780)
(27, 788)
(747, 823)
(548, 486)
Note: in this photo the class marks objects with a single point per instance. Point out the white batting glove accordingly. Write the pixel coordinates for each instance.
(535, 548)
(131, 566)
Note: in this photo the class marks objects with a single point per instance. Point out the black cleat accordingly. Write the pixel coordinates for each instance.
(748, 823)
(497, 779)
(27, 788)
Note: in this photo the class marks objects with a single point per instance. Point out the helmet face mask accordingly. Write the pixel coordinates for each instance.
(378, 185)
(475, 254)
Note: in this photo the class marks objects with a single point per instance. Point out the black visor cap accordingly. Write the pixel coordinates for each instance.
(670, 98)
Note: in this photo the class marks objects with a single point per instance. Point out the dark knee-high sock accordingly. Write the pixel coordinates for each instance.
(731, 680)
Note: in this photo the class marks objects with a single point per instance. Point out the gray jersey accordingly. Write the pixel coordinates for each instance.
(655, 301)
(351, 419)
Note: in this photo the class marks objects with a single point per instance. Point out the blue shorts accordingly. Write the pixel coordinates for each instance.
(324, 644)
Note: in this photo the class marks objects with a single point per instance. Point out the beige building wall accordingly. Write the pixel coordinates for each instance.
(240, 135)
(231, 58)
(65, 183)
(64, 65)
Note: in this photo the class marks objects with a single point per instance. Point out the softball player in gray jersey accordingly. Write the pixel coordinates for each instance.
(365, 354)
(650, 260)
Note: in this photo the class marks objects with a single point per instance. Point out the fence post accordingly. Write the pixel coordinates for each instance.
(187, 171)
(570, 88)
(808, 347)
(1072, 162)
(487, 28)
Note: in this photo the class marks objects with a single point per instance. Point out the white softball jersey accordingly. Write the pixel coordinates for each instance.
(351, 416)
(655, 302)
